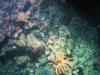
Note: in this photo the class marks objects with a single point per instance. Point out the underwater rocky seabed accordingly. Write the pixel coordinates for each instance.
(54, 40)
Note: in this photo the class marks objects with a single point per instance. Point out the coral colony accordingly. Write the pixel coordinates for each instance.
(41, 37)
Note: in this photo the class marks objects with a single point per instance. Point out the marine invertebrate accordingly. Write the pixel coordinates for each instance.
(12, 13)
(21, 41)
(2, 37)
(36, 3)
(61, 62)
(22, 17)
(21, 60)
(60, 49)
(31, 41)
(62, 40)
(9, 6)
(44, 26)
(85, 51)
(62, 44)
(9, 10)
(18, 32)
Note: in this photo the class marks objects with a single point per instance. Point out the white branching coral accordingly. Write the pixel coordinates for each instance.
(62, 44)
(31, 41)
(21, 60)
(62, 40)
(21, 41)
